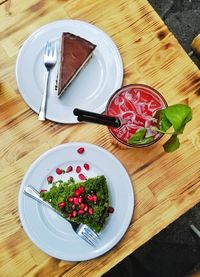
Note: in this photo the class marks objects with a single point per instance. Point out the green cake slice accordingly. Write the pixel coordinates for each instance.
(83, 202)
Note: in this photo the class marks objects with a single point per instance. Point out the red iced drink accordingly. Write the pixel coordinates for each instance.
(135, 105)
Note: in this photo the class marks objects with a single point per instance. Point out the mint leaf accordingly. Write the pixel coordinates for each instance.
(146, 140)
(172, 144)
(187, 119)
(163, 122)
(178, 115)
(139, 135)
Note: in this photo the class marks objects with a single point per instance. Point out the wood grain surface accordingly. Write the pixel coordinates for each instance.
(166, 185)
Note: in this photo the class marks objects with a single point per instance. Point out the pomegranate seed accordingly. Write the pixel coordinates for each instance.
(94, 198)
(82, 177)
(89, 198)
(86, 166)
(80, 199)
(78, 169)
(58, 171)
(110, 210)
(74, 213)
(50, 179)
(71, 199)
(77, 192)
(76, 201)
(80, 212)
(86, 207)
(69, 215)
(81, 206)
(62, 205)
(82, 189)
(80, 150)
(69, 169)
(90, 211)
(73, 207)
(43, 190)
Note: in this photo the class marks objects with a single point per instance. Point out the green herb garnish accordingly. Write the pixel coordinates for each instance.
(146, 140)
(61, 192)
(175, 117)
(138, 136)
(172, 144)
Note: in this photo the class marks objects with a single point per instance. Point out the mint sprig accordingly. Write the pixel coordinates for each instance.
(171, 144)
(178, 115)
(140, 137)
(174, 117)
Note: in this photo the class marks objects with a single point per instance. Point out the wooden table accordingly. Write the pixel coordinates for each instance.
(166, 185)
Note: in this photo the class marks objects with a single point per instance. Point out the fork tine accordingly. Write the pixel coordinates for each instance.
(90, 237)
(93, 234)
(47, 48)
(51, 49)
(86, 238)
(54, 50)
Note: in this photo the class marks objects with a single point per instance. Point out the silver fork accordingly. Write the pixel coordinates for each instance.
(81, 230)
(50, 59)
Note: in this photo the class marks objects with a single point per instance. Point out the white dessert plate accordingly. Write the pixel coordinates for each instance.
(90, 90)
(52, 233)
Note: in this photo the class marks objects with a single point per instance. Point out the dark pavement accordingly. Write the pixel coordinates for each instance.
(175, 251)
(182, 18)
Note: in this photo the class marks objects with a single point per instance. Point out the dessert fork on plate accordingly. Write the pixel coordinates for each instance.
(50, 59)
(81, 230)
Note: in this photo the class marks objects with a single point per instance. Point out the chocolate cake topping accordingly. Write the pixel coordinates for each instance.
(75, 52)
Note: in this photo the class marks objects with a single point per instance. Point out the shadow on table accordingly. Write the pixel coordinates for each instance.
(174, 252)
(129, 267)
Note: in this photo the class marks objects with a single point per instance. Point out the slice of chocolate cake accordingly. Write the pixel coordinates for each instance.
(74, 54)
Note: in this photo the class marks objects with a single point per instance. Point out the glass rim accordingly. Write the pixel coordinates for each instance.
(135, 85)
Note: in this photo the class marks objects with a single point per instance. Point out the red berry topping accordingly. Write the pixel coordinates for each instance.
(80, 199)
(86, 207)
(86, 166)
(77, 192)
(89, 198)
(73, 207)
(50, 179)
(80, 150)
(82, 189)
(82, 177)
(81, 212)
(81, 206)
(69, 215)
(61, 205)
(74, 213)
(90, 211)
(76, 201)
(69, 169)
(110, 210)
(43, 190)
(71, 199)
(94, 198)
(78, 169)
(58, 171)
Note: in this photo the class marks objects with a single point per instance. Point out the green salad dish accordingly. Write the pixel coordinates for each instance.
(82, 202)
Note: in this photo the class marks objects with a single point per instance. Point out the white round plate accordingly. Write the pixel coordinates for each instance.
(90, 90)
(52, 233)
